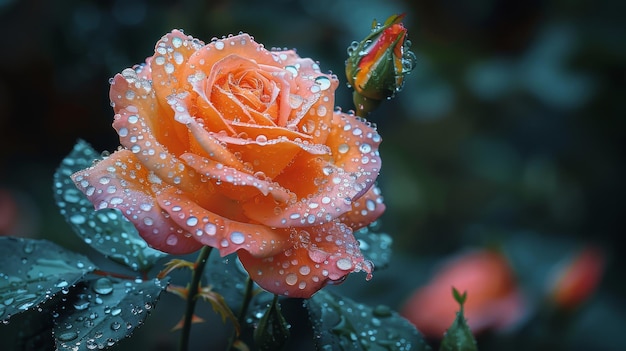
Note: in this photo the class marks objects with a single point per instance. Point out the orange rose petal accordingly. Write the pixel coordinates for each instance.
(325, 193)
(327, 189)
(240, 45)
(219, 232)
(168, 65)
(121, 182)
(128, 88)
(354, 144)
(129, 91)
(365, 210)
(263, 133)
(322, 255)
(209, 90)
(244, 185)
(171, 54)
(270, 156)
(261, 119)
(136, 136)
(211, 146)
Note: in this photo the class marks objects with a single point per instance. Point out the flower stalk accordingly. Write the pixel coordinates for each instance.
(194, 285)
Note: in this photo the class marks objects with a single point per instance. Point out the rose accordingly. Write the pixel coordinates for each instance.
(494, 300)
(239, 148)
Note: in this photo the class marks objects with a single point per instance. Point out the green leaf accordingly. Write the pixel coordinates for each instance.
(273, 330)
(342, 324)
(33, 271)
(459, 336)
(103, 311)
(106, 230)
(30, 330)
(376, 247)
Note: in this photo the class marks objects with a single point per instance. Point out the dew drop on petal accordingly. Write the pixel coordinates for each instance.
(192, 221)
(323, 82)
(344, 264)
(305, 270)
(291, 279)
(237, 238)
(210, 228)
(171, 240)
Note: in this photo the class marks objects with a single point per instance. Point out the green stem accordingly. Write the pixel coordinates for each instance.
(196, 276)
(247, 297)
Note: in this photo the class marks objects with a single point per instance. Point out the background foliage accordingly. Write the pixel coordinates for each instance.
(509, 132)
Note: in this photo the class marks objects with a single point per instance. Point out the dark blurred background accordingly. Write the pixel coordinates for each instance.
(510, 131)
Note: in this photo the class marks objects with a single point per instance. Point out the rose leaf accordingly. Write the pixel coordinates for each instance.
(104, 310)
(375, 247)
(342, 324)
(33, 271)
(106, 230)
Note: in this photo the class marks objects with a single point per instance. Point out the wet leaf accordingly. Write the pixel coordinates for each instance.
(459, 336)
(273, 330)
(33, 271)
(342, 324)
(30, 330)
(103, 311)
(106, 230)
(376, 247)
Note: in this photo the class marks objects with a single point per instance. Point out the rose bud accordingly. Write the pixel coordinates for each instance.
(577, 280)
(493, 298)
(376, 66)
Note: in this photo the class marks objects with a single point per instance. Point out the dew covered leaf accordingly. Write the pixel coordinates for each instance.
(375, 247)
(103, 311)
(106, 230)
(33, 271)
(342, 324)
(30, 330)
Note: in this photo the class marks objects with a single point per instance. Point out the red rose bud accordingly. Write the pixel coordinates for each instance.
(376, 66)
(577, 280)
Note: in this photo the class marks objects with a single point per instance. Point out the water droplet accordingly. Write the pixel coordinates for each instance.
(29, 247)
(291, 279)
(103, 286)
(67, 336)
(81, 304)
(78, 219)
(210, 228)
(261, 139)
(323, 82)
(344, 264)
(237, 238)
(192, 221)
(115, 326)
